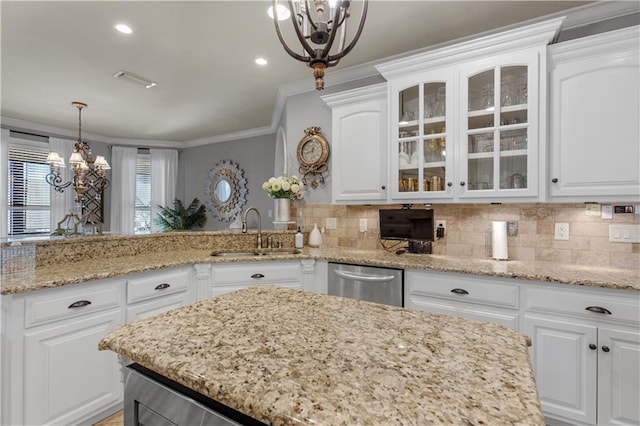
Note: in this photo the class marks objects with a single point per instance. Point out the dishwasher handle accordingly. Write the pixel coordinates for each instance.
(369, 278)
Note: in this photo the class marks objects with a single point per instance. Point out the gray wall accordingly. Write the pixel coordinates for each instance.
(253, 155)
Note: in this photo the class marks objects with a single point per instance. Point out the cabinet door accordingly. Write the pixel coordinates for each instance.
(359, 146)
(66, 377)
(618, 377)
(421, 136)
(595, 118)
(564, 366)
(499, 124)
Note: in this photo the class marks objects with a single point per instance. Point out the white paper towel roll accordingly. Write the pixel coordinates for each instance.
(499, 240)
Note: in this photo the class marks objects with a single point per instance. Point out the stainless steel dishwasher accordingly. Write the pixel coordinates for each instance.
(370, 283)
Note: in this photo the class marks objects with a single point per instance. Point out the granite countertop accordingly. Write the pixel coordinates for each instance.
(87, 270)
(288, 357)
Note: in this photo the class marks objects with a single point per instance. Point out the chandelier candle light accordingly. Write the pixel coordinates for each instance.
(316, 23)
(81, 161)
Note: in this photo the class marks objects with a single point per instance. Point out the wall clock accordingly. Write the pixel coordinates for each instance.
(313, 154)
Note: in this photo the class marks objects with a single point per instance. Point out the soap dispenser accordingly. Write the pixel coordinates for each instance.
(315, 238)
(299, 239)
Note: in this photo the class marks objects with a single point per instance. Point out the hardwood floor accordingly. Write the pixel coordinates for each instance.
(116, 419)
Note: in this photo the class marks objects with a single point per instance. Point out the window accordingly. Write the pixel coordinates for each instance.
(29, 195)
(142, 215)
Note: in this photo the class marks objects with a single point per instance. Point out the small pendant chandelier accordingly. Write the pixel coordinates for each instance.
(317, 23)
(81, 161)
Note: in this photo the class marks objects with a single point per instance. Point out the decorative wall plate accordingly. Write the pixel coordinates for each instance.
(226, 191)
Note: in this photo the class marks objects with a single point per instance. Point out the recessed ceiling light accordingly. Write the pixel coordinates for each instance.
(261, 61)
(283, 12)
(123, 28)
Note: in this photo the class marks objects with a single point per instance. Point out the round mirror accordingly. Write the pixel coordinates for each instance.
(223, 190)
(226, 192)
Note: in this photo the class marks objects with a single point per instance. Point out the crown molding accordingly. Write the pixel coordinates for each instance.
(622, 40)
(360, 94)
(598, 11)
(23, 126)
(244, 134)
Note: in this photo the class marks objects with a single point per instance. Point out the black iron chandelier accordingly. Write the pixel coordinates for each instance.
(317, 23)
(87, 171)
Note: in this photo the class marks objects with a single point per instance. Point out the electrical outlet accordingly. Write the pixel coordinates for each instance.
(443, 224)
(331, 223)
(562, 231)
(363, 225)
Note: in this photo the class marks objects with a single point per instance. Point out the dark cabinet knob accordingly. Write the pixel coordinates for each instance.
(459, 291)
(162, 286)
(554, 180)
(462, 183)
(257, 276)
(449, 184)
(383, 187)
(592, 346)
(605, 349)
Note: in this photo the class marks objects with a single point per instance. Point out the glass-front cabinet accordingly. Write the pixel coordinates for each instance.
(498, 137)
(421, 158)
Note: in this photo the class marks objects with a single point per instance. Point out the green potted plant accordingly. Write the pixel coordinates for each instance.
(180, 218)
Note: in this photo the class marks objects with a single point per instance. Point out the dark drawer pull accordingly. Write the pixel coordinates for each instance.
(257, 276)
(598, 310)
(162, 286)
(79, 304)
(459, 291)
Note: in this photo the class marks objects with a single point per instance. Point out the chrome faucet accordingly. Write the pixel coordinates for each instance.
(244, 225)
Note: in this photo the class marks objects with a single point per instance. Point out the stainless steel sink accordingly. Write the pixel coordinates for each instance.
(263, 252)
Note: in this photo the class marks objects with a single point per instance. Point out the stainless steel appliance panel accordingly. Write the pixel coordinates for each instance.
(370, 283)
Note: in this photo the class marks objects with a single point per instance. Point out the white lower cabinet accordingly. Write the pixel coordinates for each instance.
(235, 276)
(66, 378)
(585, 353)
(466, 296)
(52, 371)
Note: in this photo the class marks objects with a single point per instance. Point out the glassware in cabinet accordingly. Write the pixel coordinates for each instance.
(497, 129)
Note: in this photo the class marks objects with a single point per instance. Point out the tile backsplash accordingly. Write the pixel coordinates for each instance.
(468, 224)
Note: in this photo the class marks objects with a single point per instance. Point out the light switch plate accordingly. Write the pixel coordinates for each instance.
(624, 233)
(363, 225)
(331, 223)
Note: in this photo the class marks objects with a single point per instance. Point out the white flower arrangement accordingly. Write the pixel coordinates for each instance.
(284, 187)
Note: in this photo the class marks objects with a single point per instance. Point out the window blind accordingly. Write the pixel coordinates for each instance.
(29, 195)
(143, 195)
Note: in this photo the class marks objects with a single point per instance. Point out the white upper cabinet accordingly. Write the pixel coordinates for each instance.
(359, 146)
(595, 118)
(467, 120)
(421, 154)
(499, 126)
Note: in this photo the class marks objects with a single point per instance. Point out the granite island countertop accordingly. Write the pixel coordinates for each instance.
(551, 272)
(288, 357)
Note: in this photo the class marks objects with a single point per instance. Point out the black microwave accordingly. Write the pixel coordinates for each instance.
(406, 224)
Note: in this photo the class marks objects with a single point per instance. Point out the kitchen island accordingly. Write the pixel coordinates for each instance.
(287, 357)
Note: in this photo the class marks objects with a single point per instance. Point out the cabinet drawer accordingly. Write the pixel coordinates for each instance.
(463, 288)
(157, 285)
(575, 302)
(60, 303)
(256, 273)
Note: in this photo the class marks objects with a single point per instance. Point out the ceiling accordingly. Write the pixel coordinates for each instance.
(201, 54)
